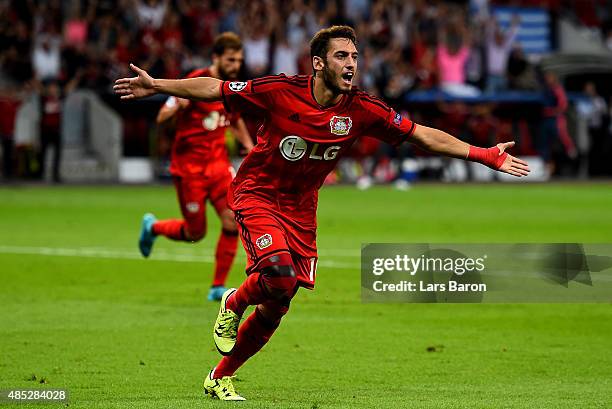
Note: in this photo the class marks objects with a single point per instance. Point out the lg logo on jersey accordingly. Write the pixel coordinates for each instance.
(294, 148)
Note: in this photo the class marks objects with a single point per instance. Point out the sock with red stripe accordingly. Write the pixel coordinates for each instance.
(171, 228)
(224, 256)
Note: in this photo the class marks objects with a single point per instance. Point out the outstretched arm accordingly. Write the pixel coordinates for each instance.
(437, 141)
(201, 88)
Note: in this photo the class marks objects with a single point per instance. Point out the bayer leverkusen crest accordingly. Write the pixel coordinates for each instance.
(340, 125)
(264, 241)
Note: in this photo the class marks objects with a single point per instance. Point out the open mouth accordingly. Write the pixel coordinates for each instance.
(347, 77)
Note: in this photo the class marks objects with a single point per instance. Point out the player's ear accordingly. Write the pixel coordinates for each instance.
(317, 63)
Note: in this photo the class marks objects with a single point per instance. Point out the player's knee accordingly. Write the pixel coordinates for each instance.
(194, 232)
(228, 222)
(277, 275)
(278, 281)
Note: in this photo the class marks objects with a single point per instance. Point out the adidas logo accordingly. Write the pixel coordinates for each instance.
(295, 117)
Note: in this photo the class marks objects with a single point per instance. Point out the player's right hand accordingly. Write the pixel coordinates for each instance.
(135, 87)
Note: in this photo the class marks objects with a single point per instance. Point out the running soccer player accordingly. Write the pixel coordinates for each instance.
(309, 123)
(200, 166)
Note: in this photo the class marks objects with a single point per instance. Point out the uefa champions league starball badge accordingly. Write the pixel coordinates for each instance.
(237, 86)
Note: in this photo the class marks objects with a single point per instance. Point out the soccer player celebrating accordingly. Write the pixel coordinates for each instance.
(200, 166)
(309, 122)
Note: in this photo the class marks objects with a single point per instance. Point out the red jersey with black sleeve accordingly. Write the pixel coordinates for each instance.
(199, 142)
(299, 142)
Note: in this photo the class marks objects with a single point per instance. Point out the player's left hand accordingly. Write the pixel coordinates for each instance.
(511, 165)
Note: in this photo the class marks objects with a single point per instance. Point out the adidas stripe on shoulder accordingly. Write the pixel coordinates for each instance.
(278, 81)
(373, 103)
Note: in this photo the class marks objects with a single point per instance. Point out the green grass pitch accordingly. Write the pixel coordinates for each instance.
(122, 332)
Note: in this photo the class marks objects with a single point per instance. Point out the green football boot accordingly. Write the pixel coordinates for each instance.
(221, 388)
(225, 330)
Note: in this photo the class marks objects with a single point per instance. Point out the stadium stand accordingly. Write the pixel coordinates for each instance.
(87, 42)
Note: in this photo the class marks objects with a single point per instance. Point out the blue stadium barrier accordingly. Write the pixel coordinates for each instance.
(526, 97)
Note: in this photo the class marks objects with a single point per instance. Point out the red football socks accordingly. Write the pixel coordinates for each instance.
(224, 256)
(171, 228)
(249, 293)
(253, 334)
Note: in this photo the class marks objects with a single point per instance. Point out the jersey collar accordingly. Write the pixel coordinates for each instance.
(314, 100)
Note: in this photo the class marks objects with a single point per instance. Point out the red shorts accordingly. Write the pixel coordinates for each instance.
(265, 232)
(194, 190)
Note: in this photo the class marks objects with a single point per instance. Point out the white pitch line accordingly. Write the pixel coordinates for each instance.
(339, 253)
(190, 250)
(158, 255)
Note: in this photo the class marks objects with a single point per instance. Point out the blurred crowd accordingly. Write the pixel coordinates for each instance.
(404, 45)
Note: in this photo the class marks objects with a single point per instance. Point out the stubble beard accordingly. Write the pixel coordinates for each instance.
(329, 79)
(224, 75)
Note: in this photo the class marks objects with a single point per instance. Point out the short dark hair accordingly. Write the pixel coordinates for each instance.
(226, 41)
(319, 45)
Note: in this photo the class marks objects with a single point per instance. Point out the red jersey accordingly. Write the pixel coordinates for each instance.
(200, 135)
(300, 141)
